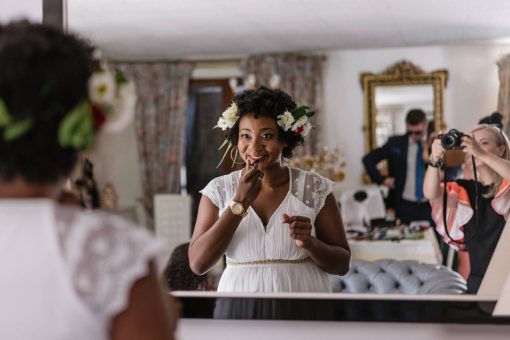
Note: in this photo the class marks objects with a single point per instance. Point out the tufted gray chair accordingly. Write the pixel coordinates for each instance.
(398, 277)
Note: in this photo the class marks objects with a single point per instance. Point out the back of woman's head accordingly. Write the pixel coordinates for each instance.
(495, 118)
(178, 274)
(43, 75)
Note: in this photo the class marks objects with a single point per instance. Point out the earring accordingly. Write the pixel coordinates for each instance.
(234, 157)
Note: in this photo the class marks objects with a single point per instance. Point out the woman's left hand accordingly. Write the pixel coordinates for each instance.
(300, 229)
(471, 146)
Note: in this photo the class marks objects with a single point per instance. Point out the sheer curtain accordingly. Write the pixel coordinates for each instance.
(504, 90)
(297, 74)
(160, 120)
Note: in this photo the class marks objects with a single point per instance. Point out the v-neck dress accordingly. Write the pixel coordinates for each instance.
(266, 259)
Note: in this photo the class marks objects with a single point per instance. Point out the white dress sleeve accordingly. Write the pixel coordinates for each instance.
(105, 255)
(312, 189)
(216, 191)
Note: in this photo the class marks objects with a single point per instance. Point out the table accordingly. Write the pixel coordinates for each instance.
(426, 250)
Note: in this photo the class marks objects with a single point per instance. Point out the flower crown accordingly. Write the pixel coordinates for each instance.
(295, 121)
(110, 105)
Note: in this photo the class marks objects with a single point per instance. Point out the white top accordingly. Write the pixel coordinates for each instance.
(252, 242)
(409, 192)
(66, 272)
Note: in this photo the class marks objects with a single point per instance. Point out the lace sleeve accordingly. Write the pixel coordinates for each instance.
(106, 255)
(314, 189)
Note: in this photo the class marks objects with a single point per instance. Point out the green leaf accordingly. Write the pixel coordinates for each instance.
(17, 129)
(77, 128)
(302, 111)
(120, 78)
(5, 118)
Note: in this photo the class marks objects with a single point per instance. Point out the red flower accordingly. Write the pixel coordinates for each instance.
(98, 116)
(299, 131)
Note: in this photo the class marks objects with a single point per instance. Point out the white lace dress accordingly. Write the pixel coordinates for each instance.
(65, 272)
(251, 265)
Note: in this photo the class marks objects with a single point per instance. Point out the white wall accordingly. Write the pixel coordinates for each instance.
(20, 9)
(471, 91)
(115, 159)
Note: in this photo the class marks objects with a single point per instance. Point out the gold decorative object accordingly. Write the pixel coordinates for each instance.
(109, 197)
(401, 73)
(328, 163)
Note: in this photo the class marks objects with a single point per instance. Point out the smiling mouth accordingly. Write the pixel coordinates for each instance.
(254, 159)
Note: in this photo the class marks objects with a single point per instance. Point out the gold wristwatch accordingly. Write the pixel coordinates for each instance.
(237, 209)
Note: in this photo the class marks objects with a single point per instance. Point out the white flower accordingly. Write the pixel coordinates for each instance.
(223, 124)
(102, 88)
(124, 109)
(228, 118)
(302, 127)
(301, 121)
(307, 127)
(285, 120)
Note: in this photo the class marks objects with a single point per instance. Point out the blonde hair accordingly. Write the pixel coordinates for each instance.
(501, 139)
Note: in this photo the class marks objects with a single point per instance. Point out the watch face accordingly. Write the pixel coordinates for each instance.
(237, 208)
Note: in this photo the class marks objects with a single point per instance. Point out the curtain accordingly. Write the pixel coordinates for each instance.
(160, 121)
(504, 90)
(298, 75)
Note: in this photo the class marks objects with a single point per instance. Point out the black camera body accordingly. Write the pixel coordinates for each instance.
(452, 139)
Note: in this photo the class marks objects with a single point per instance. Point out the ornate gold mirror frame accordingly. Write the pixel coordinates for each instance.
(401, 73)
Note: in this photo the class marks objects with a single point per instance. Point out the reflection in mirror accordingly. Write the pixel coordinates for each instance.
(392, 104)
(389, 97)
(395, 89)
(402, 77)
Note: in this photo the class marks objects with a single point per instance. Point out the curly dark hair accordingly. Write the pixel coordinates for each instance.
(268, 103)
(43, 75)
(178, 274)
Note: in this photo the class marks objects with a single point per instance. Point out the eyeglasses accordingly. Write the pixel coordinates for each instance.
(416, 133)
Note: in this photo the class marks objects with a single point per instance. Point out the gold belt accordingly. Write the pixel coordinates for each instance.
(273, 261)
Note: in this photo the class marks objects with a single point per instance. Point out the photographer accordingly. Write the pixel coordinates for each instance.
(474, 233)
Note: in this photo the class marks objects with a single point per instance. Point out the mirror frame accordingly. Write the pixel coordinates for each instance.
(401, 73)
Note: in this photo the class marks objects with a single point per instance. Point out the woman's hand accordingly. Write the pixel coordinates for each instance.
(471, 146)
(300, 229)
(437, 151)
(249, 185)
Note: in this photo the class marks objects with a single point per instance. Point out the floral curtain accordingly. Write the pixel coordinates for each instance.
(297, 74)
(160, 120)
(504, 90)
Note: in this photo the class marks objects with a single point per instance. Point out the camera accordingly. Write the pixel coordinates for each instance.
(452, 139)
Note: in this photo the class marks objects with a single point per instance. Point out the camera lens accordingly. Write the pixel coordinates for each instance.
(448, 142)
(452, 139)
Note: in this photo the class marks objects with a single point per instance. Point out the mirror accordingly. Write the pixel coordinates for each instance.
(392, 104)
(390, 94)
(383, 90)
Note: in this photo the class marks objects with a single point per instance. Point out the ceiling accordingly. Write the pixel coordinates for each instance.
(172, 29)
